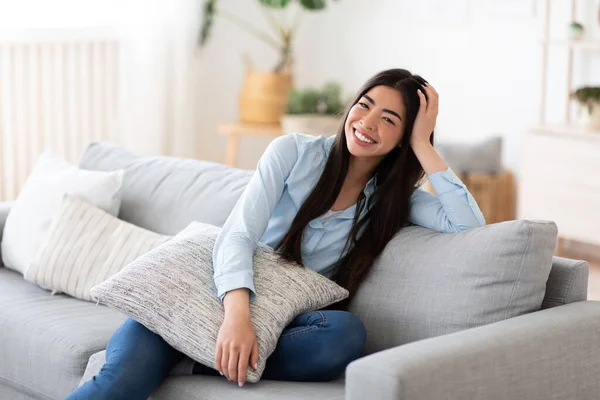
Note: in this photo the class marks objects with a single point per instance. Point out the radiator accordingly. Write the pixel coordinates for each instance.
(54, 96)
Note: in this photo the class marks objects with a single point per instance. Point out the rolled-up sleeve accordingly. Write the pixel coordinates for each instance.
(235, 245)
(453, 210)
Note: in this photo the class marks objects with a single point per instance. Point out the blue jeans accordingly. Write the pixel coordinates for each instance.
(316, 346)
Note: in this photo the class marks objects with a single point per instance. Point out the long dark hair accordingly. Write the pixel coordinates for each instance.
(397, 175)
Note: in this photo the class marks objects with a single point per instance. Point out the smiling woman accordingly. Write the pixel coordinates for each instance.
(385, 143)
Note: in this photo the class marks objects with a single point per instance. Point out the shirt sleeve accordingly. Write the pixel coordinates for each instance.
(235, 245)
(453, 210)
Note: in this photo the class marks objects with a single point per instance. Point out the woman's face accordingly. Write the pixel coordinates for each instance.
(375, 124)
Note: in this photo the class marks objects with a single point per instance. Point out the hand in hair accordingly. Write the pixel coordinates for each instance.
(426, 117)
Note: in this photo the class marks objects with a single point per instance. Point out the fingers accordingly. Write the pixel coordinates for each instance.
(422, 100)
(243, 366)
(254, 356)
(432, 95)
(232, 367)
(218, 355)
(225, 362)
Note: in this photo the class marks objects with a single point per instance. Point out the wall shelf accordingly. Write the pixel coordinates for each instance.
(584, 44)
(573, 131)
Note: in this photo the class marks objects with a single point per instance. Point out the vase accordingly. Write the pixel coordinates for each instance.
(264, 96)
(589, 117)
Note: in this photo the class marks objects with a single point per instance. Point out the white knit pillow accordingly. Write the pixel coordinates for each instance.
(171, 291)
(85, 246)
(39, 199)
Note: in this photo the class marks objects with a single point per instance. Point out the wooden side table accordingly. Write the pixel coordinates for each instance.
(234, 131)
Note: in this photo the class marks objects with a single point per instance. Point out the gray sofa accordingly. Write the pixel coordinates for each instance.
(48, 343)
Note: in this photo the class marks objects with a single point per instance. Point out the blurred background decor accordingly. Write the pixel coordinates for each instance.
(479, 165)
(576, 31)
(588, 98)
(264, 94)
(314, 111)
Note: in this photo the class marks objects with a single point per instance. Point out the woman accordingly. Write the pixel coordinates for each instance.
(331, 204)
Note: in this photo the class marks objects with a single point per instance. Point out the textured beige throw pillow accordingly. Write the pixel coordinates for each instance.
(171, 291)
(85, 246)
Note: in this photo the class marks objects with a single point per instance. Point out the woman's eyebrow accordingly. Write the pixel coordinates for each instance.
(370, 100)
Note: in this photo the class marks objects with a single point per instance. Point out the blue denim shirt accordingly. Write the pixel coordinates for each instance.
(285, 175)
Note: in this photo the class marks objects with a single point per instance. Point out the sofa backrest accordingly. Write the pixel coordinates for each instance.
(165, 194)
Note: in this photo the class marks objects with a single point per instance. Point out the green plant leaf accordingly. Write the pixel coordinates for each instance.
(313, 5)
(587, 94)
(209, 8)
(326, 101)
(275, 3)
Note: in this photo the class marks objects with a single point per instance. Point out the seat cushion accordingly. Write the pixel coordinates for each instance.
(165, 194)
(218, 388)
(198, 387)
(45, 340)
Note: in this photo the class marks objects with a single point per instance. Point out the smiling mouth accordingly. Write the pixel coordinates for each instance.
(360, 135)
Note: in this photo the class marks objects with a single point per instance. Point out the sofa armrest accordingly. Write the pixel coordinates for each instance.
(554, 353)
(5, 207)
(567, 283)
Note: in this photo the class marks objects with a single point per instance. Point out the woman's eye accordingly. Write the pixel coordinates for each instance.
(363, 105)
(389, 121)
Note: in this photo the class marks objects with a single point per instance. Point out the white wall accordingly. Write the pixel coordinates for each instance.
(485, 63)
(158, 39)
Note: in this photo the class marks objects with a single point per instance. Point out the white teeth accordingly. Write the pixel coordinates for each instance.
(362, 138)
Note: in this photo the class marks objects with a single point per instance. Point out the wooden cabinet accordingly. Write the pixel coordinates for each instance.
(560, 181)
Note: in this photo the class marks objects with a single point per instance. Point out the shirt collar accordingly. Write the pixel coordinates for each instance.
(371, 186)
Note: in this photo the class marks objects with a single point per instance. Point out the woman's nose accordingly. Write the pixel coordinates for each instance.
(368, 121)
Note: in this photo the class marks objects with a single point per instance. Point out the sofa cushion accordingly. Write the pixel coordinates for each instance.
(171, 291)
(428, 284)
(484, 157)
(199, 387)
(46, 341)
(85, 246)
(40, 197)
(216, 388)
(165, 194)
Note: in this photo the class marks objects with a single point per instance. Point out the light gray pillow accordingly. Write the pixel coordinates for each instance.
(85, 246)
(483, 157)
(171, 291)
(428, 284)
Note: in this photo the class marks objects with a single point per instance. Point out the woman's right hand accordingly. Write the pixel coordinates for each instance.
(237, 346)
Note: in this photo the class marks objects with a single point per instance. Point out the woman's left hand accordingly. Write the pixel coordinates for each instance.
(426, 117)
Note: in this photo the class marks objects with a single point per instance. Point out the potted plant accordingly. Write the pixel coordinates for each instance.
(588, 98)
(264, 94)
(576, 30)
(314, 111)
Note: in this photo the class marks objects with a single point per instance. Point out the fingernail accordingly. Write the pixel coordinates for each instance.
(240, 384)
(255, 365)
(221, 373)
